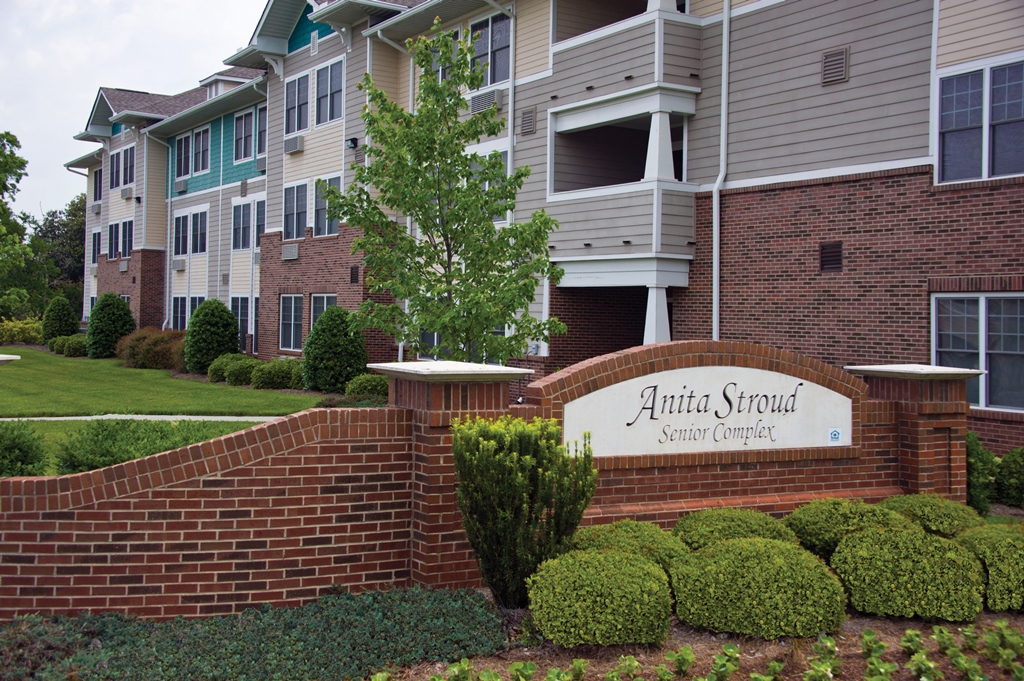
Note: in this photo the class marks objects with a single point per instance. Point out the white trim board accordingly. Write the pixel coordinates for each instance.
(823, 173)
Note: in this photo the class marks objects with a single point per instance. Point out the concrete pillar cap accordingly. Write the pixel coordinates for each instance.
(445, 371)
(918, 372)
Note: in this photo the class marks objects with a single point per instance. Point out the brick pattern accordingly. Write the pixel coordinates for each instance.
(1000, 431)
(143, 282)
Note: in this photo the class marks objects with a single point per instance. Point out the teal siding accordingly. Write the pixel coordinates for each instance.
(236, 172)
(116, 128)
(223, 169)
(211, 179)
(303, 28)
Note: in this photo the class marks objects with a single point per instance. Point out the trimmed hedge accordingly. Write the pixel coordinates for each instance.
(1001, 551)
(368, 385)
(56, 345)
(27, 331)
(297, 381)
(212, 331)
(59, 319)
(600, 598)
(646, 540)
(110, 321)
(76, 346)
(1010, 478)
(935, 514)
(240, 372)
(215, 372)
(273, 375)
(905, 573)
(822, 524)
(758, 587)
(335, 352)
(703, 528)
(21, 450)
(981, 471)
(151, 348)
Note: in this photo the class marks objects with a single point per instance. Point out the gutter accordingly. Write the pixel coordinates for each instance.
(723, 164)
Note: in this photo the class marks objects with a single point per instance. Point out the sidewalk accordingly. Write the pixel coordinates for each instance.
(142, 417)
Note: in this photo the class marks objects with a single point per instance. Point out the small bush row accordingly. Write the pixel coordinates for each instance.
(27, 331)
(69, 346)
(279, 374)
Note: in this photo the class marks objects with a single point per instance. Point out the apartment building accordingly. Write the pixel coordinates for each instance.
(863, 202)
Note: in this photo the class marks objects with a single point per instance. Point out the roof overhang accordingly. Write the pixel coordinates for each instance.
(93, 158)
(344, 13)
(95, 133)
(420, 19)
(251, 93)
(227, 79)
(135, 118)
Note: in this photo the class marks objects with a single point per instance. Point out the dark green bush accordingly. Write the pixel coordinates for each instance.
(822, 524)
(521, 496)
(935, 514)
(646, 540)
(335, 352)
(59, 319)
(21, 450)
(273, 375)
(212, 331)
(215, 372)
(981, 472)
(1001, 551)
(240, 372)
(905, 573)
(56, 345)
(703, 528)
(368, 385)
(110, 321)
(149, 348)
(76, 346)
(297, 381)
(600, 598)
(758, 587)
(1010, 478)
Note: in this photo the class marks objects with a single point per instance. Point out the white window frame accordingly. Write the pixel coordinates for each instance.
(114, 181)
(310, 79)
(96, 246)
(266, 133)
(125, 181)
(203, 229)
(291, 322)
(186, 216)
(209, 150)
(127, 234)
(340, 177)
(178, 175)
(489, 18)
(248, 316)
(241, 204)
(313, 316)
(113, 240)
(179, 308)
(486, 149)
(315, 91)
(252, 137)
(300, 230)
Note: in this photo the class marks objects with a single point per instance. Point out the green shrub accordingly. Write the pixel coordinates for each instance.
(240, 373)
(130, 347)
(335, 352)
(76, 346)
(368, 385)
(703, 528)
(822, 524)
(166, 350)
(273, 375)
(521, 496)
(600, 598)
(1000, 548)
(21, 450)
(27, 331)
(110, 321)
(59, 319)
(646, 540)
(905, 573)
(215, 372)
(212, 331)
(297, 381)
(56, 345)
(758, 587)
(981, 472)
(935, 514)
(1010, 478)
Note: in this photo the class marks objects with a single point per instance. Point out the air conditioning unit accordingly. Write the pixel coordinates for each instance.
(255, 258)
(261, 164)
(92, 270)
(293, 145)
(122, 266)
(178, 264)
(290, 252)
(95, 208)
(181, 186)
(481, 102)
(126, 193)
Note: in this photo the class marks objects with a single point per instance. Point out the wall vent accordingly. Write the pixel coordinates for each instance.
(122, 266)
(293, 145)
(92, 270)
(482, 102)
(255, 258)
(290, 252)
(835, 66)
(528, 121)
(243, 188)
(180, 186)
(95, 208)
(261, 164)
(360, 155)
(225, 279)
(831, 256)
(178, 264)
(353, 275)
(126, 193)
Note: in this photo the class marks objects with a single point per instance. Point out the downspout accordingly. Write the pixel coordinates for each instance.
(72, 170)
(511, 99)
(170, 213)
(716, 194)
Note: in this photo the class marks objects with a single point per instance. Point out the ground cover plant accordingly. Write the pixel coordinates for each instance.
(43, 384)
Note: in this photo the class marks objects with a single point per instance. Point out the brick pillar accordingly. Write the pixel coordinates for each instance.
(932, 411)
(437, 393)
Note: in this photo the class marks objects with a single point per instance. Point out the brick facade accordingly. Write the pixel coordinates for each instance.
(142, 281)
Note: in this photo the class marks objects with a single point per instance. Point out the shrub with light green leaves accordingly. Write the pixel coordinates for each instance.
(27, 331)
(600, 598)
(215, 372)
(904, 573)
(273, 375)
(59, 319)
(934, 513)
(1010, 478)
(1001, 551)
(758, 587)
(76, 346)
(110, 321)
(646, 540)
(21, 450)
(240, 373)
(703, 528)
(822, 524)
(368, 385)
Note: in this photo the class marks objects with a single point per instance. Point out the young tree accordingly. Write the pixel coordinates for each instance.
(12, 168)
(455, 273)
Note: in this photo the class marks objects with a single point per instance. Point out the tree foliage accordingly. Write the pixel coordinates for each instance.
(455, 273)
(12, 168)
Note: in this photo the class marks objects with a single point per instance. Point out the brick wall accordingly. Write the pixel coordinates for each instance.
(143, 281)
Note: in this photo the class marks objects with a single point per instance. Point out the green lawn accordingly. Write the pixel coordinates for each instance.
(44, 384)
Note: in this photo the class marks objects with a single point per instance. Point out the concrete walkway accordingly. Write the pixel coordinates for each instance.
(143, 417)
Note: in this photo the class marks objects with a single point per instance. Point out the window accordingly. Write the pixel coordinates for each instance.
(97, 184)
(92, 302)
(295, 212)
(127, 238)
(255, 324)
(181, 235)
(201, 150)
(199, 232)
(491, 47)
(193, 303)
(127, 299)
(322, 225)
(182, 156)
(240, 308)
(112, 236)
(330, 92)
(261, 220)
(243, 136)
(115, 170)
(978, 141)
(442, 74)
(296, 105)
(983, 331)
(179, 316)
(291, 322)
(96, 247)
(241, 223)
(261, 131)
(318, 304)
(128, 166)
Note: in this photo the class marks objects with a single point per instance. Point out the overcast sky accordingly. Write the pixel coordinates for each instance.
(54, 57)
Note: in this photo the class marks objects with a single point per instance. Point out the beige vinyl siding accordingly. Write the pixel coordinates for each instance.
(405, 66)
(324, 149)
(576, 17)
(197, 272)
(533, 36)
(682, 54)
(355, 100)
(677, 222)
(782, 120)
(179, 283)
(275, 153)
(706, 8)
(120, 209)
(241, 270)
(155, 203)
(975, 29)
(386, 70)
(603, 222)
(255, 280)
(604, 64)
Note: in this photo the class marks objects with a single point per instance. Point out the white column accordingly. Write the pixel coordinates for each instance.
(664, 5)
(656, 326)
(659, 148)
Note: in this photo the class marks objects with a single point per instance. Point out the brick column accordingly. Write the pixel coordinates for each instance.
(437, 393)
(932, 411)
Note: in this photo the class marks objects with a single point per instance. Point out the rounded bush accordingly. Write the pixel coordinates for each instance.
(822, 524)
(368, 385)
(1010, 478)
(212, 331)
(240, 373)
(981, 475)
(904, 573)
(600, 598)
(56, 345)
(703, 528)
(215, 372)
(298, 381)
(76, 346)
(110, 321)
(935, 514)
(646, 540)
(335, 352)
(130, 347)
(165, 350)
(21, 450)
(1000, 548)
(758, 587)
(59, 319)
(273, 375)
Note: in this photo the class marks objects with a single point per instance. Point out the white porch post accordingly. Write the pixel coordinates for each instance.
(656, 326)
(659, 148)
(664, 5)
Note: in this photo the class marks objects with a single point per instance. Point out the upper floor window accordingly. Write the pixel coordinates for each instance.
(127, 238)
(261, 220)
(97, 184)
(330, 92)
(182, 156)
(96, 247)
(128, 166)
(261, 131)
(181, 235)
(322, 225)
(115, 170)
(978, 141)
(294, 212)
(491, 47)
(199, 232)
(112, 239)
(241, 227)
(243, 136)
(201, 150)
(296, 104)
